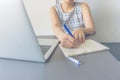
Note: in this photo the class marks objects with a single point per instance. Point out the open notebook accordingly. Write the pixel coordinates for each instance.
(89, 46)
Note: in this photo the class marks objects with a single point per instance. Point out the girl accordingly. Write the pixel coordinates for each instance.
(78, 19)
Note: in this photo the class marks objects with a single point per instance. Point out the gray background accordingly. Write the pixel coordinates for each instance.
(106, 15)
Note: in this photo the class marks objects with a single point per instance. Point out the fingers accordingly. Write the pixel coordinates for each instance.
(77, 43)
(81, 37)
(68, 41)
(67, 45)
(69, 38)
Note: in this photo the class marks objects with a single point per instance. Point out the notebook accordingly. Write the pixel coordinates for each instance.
(89, 46)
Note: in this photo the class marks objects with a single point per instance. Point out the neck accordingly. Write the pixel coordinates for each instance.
(67, 6)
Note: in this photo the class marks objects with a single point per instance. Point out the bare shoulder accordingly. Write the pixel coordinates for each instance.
(52, 9)
(84, 5)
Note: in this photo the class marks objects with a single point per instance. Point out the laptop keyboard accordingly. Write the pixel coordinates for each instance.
(44, 48)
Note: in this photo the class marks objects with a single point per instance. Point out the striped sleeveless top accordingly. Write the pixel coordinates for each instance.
(72, 19)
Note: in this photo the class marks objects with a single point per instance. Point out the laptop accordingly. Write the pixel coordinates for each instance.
(21, 43)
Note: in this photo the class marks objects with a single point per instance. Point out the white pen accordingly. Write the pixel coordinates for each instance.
(74, 60)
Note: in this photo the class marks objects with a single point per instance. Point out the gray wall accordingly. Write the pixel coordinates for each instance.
(106, 15)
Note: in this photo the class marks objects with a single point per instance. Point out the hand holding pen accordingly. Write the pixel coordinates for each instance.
(70, 58)
(72, 40)
(77, 36)
(68, 40)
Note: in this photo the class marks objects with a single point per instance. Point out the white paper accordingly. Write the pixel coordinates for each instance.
(88, 47)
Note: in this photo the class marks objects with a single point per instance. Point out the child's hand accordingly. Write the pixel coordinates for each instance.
(67, 41)
(79, 36)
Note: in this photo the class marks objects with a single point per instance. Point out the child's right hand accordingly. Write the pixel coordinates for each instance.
(67, 41)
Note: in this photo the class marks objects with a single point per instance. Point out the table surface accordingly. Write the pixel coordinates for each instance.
(95, 66)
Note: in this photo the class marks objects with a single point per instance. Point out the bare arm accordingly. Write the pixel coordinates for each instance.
(56, 27)
(65, 39)
(88, 29)
(89, 24)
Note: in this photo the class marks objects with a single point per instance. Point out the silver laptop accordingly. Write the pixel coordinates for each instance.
(20, 43)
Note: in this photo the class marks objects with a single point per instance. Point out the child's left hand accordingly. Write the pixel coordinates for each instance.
(79, 36)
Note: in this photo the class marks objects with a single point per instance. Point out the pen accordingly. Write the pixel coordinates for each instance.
(74, 60)
(66, 28)
(70, 58)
